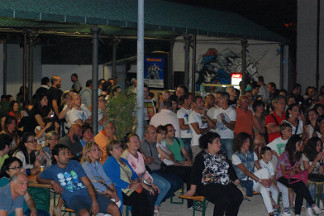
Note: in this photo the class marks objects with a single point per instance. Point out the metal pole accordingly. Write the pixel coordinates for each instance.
(30, 68)
(187, 39)
(244, 75)
(140, 70)
(286, 69)
(281, 76)
(318, 41)
(114, 50)
(95, 32)
(24, 66)
(170, 69)
(193, 76)
(5, 71)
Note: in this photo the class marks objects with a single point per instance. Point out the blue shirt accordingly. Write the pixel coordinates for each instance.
(8, 204)
(95, 171)
(69, 178)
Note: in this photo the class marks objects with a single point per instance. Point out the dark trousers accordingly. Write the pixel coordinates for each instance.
(301, 192)
(151, 199)
(138, 202)
(227, 198)
(184, 172)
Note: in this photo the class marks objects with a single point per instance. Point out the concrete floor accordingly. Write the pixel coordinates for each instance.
(255, 207)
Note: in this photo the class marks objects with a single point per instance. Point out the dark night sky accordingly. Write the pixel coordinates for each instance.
(272, 14)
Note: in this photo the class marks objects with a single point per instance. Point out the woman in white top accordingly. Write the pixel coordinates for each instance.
(293, 118)
(26, 153)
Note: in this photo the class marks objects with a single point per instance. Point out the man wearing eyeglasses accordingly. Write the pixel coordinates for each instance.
(68, 178)
(13, 195)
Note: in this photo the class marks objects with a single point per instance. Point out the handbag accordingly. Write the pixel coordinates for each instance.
(301, 176)
(130, 180)
(316, 177)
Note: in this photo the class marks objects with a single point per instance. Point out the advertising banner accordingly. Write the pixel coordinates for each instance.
(154, 72)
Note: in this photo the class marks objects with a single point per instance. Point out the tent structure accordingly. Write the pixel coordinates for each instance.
(106, 18)
(162, 18)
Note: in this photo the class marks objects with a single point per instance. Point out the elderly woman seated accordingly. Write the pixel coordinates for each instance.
(127, 182)
(212, 176)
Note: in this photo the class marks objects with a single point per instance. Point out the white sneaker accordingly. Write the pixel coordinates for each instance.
(310, 212)
(316, 209)
(286, 212)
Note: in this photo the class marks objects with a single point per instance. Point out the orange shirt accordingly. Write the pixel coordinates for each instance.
(244, 122)
(102, 140)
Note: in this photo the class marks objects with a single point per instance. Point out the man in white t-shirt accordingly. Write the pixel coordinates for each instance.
(278, 145)
(78, 114)
(183, 118)
(224, 118)
(199, 123)
(166, 116)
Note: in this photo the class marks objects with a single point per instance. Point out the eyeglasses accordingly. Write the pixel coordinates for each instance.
(55, 139)
(31, 141)
(172, 130)
(15, 168)
(117, 147)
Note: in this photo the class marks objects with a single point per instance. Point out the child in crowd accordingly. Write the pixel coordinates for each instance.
(276, 187)
(278, 145)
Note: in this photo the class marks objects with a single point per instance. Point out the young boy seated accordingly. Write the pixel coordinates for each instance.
(276, 187)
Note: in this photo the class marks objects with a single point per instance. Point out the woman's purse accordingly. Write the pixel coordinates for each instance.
(131, 181)
(301, 176)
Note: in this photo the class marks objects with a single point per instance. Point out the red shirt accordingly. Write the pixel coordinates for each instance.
(244, 122)
(270, 120)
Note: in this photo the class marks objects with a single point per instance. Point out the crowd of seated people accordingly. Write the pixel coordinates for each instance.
(224, 146)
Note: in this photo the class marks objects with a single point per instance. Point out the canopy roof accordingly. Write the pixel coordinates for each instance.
(119, 17)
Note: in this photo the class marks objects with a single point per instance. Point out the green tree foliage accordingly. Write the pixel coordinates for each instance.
(121, 110)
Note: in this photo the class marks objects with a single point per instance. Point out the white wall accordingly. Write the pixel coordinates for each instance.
(268, 66)
(306, 43)
(84, 73)
(64, 71)
(15, 68)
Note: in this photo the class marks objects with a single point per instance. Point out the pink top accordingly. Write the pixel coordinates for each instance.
(137, 164)
(284, 160)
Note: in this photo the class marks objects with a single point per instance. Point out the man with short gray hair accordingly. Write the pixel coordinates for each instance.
(14, 195)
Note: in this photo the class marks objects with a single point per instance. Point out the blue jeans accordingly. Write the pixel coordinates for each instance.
(187, 142)
(248, 185)
(227, 146)
(311, 189)
(163, 185)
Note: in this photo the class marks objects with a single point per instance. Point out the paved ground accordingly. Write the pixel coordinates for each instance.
(255, 207)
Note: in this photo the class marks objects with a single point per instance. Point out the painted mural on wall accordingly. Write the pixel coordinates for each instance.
(216, 67)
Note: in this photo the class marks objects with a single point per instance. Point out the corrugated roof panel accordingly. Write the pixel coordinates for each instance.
(158, 13)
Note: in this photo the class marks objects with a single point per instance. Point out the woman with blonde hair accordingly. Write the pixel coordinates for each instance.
(51, 139)
(95, 172)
